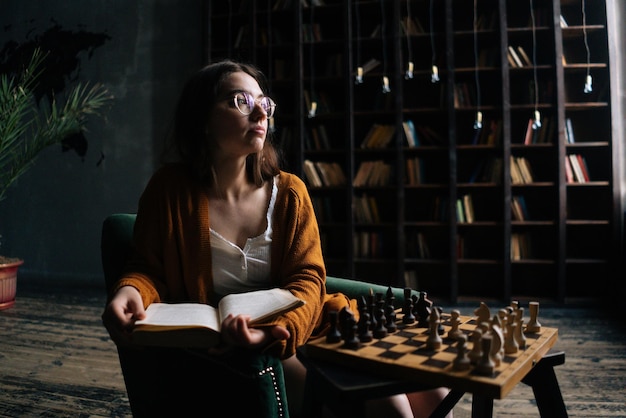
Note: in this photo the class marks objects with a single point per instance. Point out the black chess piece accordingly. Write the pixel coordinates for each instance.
(424, 308)
(334, 334)
(381, 320)
(407, 309)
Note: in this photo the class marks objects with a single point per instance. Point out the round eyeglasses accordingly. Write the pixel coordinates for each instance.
(245, 103)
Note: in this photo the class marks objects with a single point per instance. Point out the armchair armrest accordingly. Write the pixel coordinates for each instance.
(356, 288)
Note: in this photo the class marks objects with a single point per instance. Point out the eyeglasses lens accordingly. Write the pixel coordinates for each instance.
(244, 102)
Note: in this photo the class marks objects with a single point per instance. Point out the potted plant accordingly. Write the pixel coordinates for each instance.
(28, 126)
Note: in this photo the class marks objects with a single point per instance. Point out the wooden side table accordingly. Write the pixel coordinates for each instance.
(344, 389)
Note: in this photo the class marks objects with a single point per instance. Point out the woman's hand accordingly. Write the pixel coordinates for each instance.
(121, 313)
(235, 331)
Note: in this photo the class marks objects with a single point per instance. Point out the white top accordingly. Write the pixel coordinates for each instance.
(237, 269)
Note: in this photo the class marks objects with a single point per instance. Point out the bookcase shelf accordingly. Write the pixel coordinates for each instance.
(434, 202)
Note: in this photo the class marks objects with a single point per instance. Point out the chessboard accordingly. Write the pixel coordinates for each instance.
(409, 349)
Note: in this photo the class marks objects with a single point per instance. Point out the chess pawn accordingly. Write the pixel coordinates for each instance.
(454, 333)
(533, 324)
(519, 328)
(363, 325)
(334, 334)
(461, 361)
(434, 340)
(424, 306)
(510, 343)
(407, 309)
(477, 352)
(381, 320)
(486, 365)
(351, 341)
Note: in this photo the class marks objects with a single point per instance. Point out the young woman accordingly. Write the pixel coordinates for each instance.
(225, 219)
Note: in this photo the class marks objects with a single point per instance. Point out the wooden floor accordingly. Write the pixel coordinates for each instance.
(56, 360)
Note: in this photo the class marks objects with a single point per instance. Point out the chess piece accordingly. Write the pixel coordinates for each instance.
(454, 333)
(363, 325)
(477, 352)
(482, 312)
(497, 343)
(440, 328)
(351, 340)
(424, 308)
(486, 365)
(390, 312)
(519, 328)
(334, 334)
(510, 343)
(533, 324)
(461, 361)
(407, 309)
(381, 320)
(434, 340)
(371, 307)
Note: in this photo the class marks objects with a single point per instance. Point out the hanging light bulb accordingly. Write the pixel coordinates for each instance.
(312, 110)
(588, 87)
(359, 76)
(478, 123)
(409, 71)
(537, 120)
(272, 127)
(434, 77)
(386, 88)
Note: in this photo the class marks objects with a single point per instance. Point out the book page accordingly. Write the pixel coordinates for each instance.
(180, 315)
(259, 304)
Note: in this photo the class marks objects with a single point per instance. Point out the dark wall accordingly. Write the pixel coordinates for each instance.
(53, 216)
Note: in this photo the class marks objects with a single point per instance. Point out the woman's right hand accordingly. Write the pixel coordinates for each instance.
(121, 313)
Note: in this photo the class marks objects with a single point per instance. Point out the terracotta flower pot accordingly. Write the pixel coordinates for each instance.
(8, 283)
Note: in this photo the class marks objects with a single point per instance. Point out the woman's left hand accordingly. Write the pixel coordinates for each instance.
(235, 331)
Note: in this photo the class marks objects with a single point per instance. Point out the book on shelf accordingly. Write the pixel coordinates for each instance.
(569, 131)
(378, 136)
(198, 324)
(580, 173)
(524, 56)
(514, 59)
(410, 133)
(468, 208)
(311, 174)
(530, 135)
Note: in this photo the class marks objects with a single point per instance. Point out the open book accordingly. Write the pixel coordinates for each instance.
(198, 324)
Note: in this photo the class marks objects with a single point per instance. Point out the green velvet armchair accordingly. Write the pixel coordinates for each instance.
(164, 381)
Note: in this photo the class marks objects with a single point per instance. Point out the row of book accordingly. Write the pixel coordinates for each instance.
(322, 173)
(368, 244)
(373, 173)
(465, 209)
(366, 209)
(521, 172)
(576, 170)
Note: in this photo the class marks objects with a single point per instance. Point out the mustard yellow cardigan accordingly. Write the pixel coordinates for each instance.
(172, 257)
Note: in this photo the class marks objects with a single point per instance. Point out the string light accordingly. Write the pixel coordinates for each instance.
(272, 126)
(537, 116)
(313, 108)
(478, 123)
(408, 75)
(359, 70)
(386, 88)
(434, 76)
(588, 81)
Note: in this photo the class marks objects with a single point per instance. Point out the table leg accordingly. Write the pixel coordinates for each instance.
(482, 406)
(545, 385)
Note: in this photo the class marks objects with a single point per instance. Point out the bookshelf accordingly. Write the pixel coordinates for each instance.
(420, 120)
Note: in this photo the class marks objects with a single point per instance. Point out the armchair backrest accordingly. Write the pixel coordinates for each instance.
(116, 244)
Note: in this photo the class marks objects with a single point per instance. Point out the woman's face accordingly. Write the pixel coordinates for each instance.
(237, 134)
